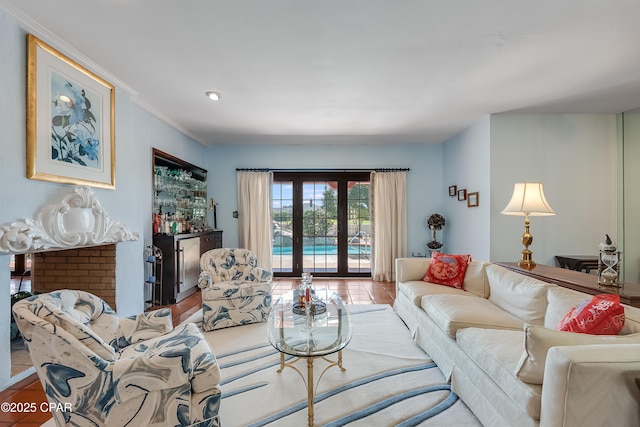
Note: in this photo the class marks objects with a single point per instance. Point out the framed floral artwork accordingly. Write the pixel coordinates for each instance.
(70, 120)
(472, 200)
(452, 190)
(462, 194)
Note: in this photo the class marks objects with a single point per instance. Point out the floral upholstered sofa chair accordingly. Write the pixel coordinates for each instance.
(235, 291)
(102, 370)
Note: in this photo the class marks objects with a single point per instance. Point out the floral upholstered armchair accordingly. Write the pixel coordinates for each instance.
(110, 371)
(235, 291)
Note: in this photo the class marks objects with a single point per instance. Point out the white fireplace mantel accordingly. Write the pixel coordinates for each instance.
(78, 220)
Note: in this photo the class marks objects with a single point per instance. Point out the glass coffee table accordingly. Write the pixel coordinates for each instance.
(321, 330)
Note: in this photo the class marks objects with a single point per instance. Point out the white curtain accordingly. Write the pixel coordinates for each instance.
(255, 227)
(389, 221)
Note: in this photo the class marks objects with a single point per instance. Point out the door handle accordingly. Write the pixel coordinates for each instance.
(180, 266)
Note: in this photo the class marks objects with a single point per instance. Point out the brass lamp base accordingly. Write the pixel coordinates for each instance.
(526, 262)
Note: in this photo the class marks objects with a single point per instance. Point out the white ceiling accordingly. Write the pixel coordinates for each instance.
(350, 71)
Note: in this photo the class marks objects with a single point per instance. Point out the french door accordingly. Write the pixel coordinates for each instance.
(321, 224)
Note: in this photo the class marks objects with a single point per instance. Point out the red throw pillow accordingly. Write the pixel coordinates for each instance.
(600, 315)
(447, 270)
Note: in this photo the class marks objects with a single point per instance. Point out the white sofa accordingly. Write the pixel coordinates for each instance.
(478, 336)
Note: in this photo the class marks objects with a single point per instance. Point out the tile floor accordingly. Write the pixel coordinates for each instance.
(352, 291)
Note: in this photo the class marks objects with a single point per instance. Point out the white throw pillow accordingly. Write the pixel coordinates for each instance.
(475, 279)
(517, 294)
(559, 302)
(538, 340)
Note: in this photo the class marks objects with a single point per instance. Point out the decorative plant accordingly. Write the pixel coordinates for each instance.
(435, 222)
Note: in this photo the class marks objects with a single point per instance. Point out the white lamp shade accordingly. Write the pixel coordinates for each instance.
(528, 200)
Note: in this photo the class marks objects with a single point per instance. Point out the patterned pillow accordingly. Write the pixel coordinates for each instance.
(447, 270)
(600, 315)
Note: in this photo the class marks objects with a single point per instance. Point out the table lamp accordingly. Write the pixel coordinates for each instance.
(528, 200)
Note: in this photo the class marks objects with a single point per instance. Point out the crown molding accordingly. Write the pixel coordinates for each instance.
(32, 26)
(140, 103)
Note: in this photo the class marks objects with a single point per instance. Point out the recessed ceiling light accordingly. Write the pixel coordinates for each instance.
(214, 96)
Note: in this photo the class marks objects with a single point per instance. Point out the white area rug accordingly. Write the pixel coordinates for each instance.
(388, 381)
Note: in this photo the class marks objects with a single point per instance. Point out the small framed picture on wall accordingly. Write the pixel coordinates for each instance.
(452, 190)
(462, 194)
(472, 200)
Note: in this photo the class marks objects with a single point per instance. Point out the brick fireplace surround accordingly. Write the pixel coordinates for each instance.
(91, 269)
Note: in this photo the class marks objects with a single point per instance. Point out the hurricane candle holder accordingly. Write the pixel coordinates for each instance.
(609, 264)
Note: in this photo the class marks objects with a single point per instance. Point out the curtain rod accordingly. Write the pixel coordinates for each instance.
(323, 170)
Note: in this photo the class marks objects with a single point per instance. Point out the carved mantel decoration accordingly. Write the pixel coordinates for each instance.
(77, 221)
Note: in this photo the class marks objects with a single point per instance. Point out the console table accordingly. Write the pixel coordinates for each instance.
(583, 282)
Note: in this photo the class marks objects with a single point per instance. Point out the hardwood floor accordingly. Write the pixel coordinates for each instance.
(352, 291)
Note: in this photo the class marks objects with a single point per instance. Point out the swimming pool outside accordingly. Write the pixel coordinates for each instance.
(323, 250)
(321, 263)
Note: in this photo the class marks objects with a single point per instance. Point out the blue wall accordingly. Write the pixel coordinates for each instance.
(424, 182)
(575, 157)
(466, 157)
(130, 203)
